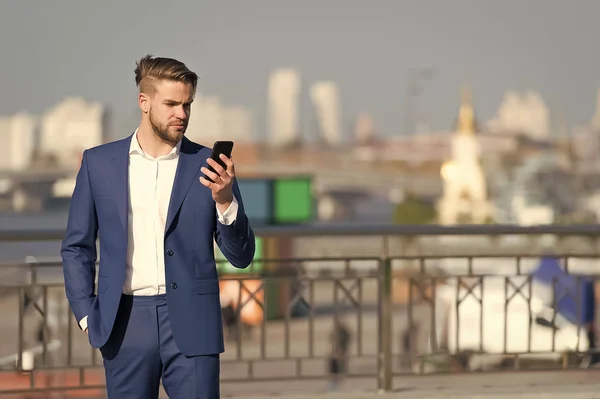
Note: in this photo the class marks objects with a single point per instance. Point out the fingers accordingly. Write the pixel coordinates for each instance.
(229, 164)
(222, 172)
(206, 183)
(216, 166)
(215, 177)
(217, 183)
(221, 177)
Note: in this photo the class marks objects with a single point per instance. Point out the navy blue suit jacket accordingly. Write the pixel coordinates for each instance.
(99, 210)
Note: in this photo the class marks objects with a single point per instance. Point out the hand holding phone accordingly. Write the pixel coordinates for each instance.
(220, 147)
(220, 173)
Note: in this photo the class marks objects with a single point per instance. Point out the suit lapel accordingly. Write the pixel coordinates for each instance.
(120, 180)
(187, 172)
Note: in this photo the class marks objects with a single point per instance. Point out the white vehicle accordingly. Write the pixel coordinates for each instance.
(490, 331)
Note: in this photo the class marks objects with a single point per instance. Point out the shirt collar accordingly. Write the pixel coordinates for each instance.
(135, 148)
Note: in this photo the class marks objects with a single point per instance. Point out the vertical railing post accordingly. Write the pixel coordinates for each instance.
(384, 361)
(21, 328)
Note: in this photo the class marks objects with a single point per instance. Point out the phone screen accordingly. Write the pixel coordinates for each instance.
(220, 147)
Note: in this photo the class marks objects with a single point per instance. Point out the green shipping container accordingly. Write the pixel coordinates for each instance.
(293, 200)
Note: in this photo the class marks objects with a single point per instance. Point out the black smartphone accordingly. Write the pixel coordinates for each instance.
(220, 147)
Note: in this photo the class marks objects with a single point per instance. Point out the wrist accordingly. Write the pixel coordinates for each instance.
(225, 201)
(222, 206)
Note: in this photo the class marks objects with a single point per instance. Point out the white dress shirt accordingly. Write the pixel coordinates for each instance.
(150, 185)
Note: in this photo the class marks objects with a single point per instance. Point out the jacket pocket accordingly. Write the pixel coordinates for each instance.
(208, 286)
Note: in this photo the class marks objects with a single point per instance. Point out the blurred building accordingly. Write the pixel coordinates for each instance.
(326, 100)
(238, 124)
(71, 127)
(364, 129)
(529, 198)
(17, 141)
(465, 185)
(524, 114)
(211, 121)
(283, 105)
(595, 122)
(432, 147)
(584, 147)
(206, 120)
(583, 144)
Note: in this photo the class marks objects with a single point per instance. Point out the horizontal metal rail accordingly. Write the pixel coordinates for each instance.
(362, 230)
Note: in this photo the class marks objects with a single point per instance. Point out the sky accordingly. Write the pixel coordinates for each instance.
(53, 49)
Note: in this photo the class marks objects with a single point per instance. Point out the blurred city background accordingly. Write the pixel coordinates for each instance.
(365, 100)
(361, 129)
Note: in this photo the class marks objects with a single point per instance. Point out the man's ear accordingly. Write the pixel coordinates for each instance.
(144, 102)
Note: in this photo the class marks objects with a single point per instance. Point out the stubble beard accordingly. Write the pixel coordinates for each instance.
(162, 131)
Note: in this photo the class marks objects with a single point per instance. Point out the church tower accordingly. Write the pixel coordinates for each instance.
(465, 191)
(466, 123)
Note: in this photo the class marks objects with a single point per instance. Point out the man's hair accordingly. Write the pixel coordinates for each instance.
(151, 69)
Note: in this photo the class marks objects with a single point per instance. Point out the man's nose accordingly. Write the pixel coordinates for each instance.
(181, 113)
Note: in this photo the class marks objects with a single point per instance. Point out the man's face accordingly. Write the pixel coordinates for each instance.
(169, 109)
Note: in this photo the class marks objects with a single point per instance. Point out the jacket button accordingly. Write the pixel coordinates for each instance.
(170, 252)
(174, 286)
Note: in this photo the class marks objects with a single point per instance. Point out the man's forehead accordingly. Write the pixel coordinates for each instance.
(175, 90)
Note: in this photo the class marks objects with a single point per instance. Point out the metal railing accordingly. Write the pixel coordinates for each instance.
(414, 313)
(341, 229)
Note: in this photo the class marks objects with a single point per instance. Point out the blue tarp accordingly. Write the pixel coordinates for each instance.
(574, 293)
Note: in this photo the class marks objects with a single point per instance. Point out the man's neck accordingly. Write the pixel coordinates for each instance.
(151, 143)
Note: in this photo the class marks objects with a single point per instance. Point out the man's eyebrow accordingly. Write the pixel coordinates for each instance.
(169, 101)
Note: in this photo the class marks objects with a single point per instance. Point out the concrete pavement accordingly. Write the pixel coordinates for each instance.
(562, 393)
(580, 384)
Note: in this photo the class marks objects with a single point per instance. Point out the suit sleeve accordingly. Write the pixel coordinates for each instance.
(78, 250)
(236, 240)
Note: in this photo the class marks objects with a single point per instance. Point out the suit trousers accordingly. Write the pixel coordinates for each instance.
(141, 350)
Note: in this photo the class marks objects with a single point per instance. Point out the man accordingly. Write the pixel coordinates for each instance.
(157, 312)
